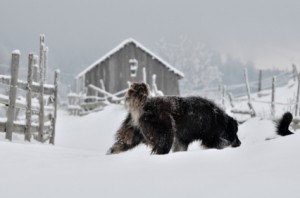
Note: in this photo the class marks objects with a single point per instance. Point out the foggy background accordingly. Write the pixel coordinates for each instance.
(259, 34)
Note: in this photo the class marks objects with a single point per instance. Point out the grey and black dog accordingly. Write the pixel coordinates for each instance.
(174, 122)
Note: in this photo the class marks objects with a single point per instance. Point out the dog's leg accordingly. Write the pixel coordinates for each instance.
(212, 142)
(158, 131)
(179, 146)
(163, 145)
(127, 137)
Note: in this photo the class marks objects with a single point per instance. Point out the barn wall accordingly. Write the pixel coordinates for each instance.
(115, 72)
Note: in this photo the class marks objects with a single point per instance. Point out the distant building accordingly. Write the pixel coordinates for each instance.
(125, 63)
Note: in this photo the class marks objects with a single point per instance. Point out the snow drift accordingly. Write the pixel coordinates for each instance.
(265, 165)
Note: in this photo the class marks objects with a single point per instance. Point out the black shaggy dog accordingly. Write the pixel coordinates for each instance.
(171, 121)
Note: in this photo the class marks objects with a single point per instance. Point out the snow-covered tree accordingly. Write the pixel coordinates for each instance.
(194, 60)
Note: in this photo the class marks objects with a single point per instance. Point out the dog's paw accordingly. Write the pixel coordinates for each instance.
(110, 151)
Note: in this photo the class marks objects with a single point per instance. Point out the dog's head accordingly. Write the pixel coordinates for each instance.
(231, 132)
(137, 94)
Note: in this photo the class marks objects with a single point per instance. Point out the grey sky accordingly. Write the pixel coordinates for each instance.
(79, 32)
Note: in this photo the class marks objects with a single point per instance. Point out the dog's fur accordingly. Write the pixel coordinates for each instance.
(171, 121)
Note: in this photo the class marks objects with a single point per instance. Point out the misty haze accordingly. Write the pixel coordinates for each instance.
(238, 34)
(157, 98)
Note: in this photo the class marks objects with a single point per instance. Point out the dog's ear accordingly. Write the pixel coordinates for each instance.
(145, 87)
(133, 84)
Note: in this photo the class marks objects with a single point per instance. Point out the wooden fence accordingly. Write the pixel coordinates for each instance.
(272, 103)
(42, 129)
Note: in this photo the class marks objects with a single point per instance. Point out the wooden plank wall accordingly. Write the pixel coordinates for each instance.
(115, 72)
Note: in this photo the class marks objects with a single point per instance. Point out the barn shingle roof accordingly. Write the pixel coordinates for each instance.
(120, 46)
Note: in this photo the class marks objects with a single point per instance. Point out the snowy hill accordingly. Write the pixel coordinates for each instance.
(78, 167)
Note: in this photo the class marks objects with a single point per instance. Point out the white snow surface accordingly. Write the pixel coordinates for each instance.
(77, 166)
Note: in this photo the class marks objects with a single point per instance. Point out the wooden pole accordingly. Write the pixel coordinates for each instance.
(247, 84)
(97, 89)
(154, 86)
(35, 69)
(41, 94)
(54, 117)
(102, 86)
(297, 98)
(253, 114)
(295, 72)
(223, 95)
(41, 59)
(42, 111)
(45, 53)
(144, 75)
(259, 81)
(28, 98)
(231, 99)
(273, 98)
(248, 93)
(15, 59)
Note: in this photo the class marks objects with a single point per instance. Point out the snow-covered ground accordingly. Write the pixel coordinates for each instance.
(78, 167)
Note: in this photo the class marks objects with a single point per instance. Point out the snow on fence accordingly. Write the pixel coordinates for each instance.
(272, 103)
(43, 129)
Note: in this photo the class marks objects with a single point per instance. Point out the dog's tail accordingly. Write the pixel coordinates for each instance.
(284, 123)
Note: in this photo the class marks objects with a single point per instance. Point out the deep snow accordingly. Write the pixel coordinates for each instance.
(78, 167)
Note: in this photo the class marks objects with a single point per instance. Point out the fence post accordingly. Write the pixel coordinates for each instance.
(12, 94)
(53, 123)
(28, 98)
(35, 69)
(298, 93)
(41, 94)
(259, 81)
(223, 95)
(248, 93)
(41, 59)
(231, 99)
(273, 98)
(295, 72)
(247, 84)
(45, 53)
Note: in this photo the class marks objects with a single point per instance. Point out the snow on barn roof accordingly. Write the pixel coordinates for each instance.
(123, 44)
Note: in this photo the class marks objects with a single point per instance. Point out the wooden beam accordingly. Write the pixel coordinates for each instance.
(259, 81)
(15, 59)
(101, 90)
(53, 121)
(28, 98)
(273, 98)
(248, 93)
(48, 89)
(298, 96)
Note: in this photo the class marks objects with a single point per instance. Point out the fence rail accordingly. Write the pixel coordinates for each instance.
(250, 99)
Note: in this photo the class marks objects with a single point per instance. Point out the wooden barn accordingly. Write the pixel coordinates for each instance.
(129, 61)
